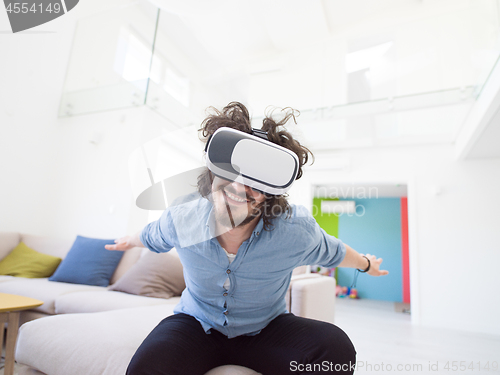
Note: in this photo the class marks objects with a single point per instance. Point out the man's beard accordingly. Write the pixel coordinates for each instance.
(232, 218)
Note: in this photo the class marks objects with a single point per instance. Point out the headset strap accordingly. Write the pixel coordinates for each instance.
(260, 133)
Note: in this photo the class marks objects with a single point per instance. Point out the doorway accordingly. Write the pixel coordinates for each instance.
(377, 225)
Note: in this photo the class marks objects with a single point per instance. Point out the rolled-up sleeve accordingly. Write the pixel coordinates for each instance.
(159, 236)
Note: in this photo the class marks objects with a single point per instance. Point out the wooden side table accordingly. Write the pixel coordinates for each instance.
(10, 306)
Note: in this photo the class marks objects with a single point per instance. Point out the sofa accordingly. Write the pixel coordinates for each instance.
(91, 330)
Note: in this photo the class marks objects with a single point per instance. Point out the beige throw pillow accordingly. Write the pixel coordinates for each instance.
(154, 275)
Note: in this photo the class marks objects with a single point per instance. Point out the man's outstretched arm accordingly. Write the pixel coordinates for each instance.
(354, 259)
(126, 243)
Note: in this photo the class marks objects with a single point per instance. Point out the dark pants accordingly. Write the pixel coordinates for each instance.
(288, 345)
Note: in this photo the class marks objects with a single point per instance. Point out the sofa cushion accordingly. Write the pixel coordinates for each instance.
(128, 260)
(23, 261)
(54, 246)
(232, 370)
(95, 343)
(8, 241)
(6, 278)
(96, 301)
(25, 370)
(43, 289)
(297, 276)
(88, 262)
(313, 297)
(154, 275)
(81, 344)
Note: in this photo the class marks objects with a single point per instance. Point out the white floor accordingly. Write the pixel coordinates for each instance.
(387, 342)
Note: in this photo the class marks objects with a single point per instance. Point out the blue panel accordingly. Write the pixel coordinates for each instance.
(375, 230)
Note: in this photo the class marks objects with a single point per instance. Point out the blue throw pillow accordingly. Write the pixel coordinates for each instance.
(88, 262)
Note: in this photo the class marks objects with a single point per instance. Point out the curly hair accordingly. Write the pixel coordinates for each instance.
(235, 115)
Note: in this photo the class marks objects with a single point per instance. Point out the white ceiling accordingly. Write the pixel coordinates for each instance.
(244, 32)
(258, 38)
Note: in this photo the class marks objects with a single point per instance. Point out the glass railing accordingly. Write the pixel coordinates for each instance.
(110, 60)
(368, 82)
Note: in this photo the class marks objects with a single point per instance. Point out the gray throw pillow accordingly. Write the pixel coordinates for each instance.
(154, 275)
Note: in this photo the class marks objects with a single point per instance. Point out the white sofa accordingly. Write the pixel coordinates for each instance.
(92, 330)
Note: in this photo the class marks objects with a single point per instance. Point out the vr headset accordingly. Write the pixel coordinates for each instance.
(251, 160)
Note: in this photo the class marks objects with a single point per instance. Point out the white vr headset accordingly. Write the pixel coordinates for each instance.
(251, 160)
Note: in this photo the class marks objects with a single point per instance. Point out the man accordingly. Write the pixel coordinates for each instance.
(239, 245)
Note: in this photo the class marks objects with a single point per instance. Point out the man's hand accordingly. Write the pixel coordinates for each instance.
(121, 244)
(125, 243)
(375, 266)
(356, 260)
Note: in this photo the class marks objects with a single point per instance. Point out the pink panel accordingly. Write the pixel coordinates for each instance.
(405, 248)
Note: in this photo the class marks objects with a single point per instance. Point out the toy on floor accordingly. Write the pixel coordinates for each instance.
(341, 291)
(344, 292)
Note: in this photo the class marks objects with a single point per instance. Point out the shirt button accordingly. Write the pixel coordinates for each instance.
(225, 294)
(225, 312)
(228, 271)
(257, 233)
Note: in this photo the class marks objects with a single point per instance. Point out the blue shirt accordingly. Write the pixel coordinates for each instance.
(259, 275)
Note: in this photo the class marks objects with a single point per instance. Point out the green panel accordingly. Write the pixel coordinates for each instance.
(329, 222)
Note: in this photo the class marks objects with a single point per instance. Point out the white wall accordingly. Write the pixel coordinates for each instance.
(32, 68)
(453, 216)
(63, 176)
